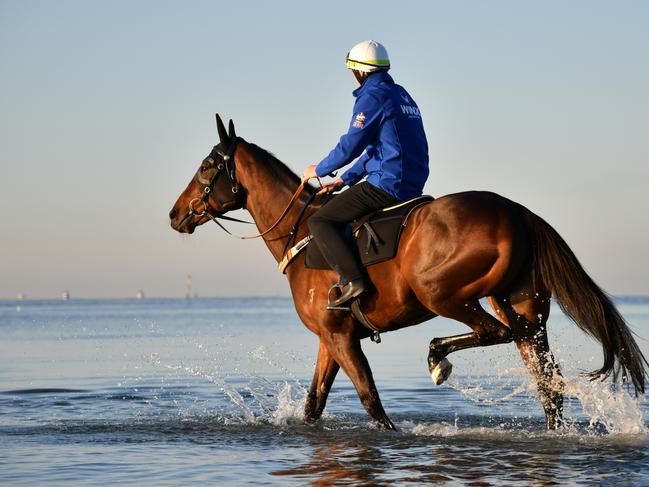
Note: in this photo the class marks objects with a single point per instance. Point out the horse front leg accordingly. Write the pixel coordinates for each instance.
(325, 373)
(347, 351)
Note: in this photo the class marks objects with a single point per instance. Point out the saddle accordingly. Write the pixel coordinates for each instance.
(375, 237)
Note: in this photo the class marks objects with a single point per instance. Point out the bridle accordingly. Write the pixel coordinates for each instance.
(226, 165)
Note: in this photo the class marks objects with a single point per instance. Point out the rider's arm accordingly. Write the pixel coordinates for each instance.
(355, 173)
(363, 128)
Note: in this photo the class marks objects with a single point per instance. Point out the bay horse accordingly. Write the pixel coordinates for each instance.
(454, 251)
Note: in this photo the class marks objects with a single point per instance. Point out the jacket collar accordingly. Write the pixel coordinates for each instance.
(372, 80)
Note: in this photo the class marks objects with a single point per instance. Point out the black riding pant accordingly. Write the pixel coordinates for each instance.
(327, 225)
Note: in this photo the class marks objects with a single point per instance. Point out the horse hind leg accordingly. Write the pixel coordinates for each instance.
(487, 330)
(526, 313)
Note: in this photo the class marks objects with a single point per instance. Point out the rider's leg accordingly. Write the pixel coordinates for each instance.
(328, 224)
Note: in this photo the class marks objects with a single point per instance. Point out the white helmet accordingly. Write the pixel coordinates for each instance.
(368, 56)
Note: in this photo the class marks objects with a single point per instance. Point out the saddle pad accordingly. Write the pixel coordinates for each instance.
(374, 237)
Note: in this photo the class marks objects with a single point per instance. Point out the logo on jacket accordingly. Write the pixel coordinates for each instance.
(359, 121)
(405, 98)
(412, 112)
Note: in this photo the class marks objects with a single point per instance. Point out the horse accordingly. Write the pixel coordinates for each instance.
(454, 251)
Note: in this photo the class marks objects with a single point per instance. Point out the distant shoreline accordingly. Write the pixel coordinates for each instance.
(148, 298)
(629, 299)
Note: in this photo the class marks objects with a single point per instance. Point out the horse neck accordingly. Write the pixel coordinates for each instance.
(269, 191)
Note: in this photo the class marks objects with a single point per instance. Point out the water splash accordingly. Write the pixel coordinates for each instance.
(498, 389)
(235, 396)
(449, 430)
(607, 409)
(592, 409)
(290, 405)
(258, 401)
(260, 354)
(609, 406)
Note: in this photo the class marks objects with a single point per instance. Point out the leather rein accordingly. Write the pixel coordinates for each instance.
(227, 167)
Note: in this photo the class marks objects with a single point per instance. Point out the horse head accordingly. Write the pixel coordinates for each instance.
(214, 189)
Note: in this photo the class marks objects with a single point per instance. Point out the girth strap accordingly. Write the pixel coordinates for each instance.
(292, 253)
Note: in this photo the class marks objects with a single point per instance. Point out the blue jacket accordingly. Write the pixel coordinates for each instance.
(387, 125)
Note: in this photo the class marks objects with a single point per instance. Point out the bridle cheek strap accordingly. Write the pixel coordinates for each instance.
(209, 184)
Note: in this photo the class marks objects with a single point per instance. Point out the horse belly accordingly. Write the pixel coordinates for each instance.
(393, 304)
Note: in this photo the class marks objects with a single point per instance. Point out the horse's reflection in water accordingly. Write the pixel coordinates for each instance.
(335, 463)
(454, 251)
(363, 461)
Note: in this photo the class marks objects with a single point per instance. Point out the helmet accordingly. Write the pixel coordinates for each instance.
(368, 56)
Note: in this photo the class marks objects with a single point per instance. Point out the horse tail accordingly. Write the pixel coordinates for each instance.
(588, 306)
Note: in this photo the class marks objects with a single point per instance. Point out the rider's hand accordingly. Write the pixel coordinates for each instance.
(309, 173)
(331, 186)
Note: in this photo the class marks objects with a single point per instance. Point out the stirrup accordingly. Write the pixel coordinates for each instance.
(339, 286)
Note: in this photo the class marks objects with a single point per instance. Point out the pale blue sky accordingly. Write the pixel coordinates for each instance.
(108, 107)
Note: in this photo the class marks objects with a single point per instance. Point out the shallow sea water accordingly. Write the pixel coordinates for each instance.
(172, 392)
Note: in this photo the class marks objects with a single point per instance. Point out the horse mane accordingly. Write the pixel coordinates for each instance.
(278, 169)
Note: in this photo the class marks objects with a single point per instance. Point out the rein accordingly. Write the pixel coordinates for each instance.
(268, 230)
(208, 187)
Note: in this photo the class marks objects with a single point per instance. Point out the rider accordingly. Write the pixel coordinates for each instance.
(386, 131)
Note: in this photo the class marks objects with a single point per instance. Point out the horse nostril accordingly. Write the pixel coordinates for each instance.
(173, 213)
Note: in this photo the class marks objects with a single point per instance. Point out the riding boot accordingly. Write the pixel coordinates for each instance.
(350, 291)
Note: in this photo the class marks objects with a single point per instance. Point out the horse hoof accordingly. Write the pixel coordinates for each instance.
(441, 372)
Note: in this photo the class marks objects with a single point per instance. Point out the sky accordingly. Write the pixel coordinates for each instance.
(107, 108)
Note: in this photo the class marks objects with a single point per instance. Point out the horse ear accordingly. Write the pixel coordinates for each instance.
(231, 132)
(223, 135)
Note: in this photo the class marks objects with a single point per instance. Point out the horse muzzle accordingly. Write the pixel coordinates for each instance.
(182, 223)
